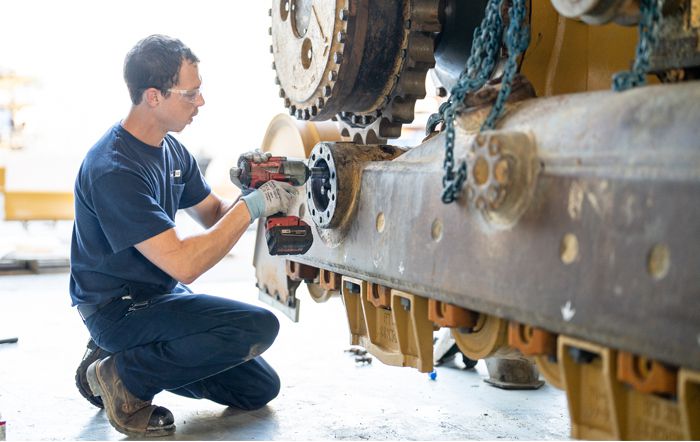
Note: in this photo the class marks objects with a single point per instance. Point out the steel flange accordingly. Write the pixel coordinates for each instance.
(502, 169)
(331, 193)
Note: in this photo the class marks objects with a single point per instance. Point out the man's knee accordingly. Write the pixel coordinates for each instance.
(267, 392)
(272, 391)
(268, 326)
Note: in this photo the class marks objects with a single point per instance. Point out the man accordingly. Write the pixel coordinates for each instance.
(129, 264)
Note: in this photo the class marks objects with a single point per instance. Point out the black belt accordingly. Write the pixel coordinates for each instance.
(87, 310)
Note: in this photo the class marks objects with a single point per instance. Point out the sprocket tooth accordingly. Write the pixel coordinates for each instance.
(412, 84)
(389, 129)
(420, 49)
(402, 111)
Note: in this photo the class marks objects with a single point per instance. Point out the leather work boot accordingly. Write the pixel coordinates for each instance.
(127, 413)
(92, 353)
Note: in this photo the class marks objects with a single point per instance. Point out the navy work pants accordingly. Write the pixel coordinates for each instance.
(194, 345)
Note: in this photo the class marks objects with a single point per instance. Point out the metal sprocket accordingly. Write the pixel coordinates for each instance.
(362, 62)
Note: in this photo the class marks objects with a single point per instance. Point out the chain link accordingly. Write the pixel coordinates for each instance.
(648, 29)
(484, 55)
(517, 41)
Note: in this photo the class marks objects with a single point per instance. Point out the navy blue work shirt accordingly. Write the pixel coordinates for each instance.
(126, 192)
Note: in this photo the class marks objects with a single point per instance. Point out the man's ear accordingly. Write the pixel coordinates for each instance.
(152, 97)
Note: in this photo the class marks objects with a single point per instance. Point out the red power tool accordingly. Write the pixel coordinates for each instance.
(285, 235)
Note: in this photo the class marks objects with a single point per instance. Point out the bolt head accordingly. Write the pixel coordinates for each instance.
(494, 146)
(470, 193)
(501, 171)
(327, 91)
(320, 102)
(492, 194)
(344, 14)
(337, 58)
(341, 37)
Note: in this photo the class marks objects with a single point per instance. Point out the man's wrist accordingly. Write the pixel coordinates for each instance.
(255, 202)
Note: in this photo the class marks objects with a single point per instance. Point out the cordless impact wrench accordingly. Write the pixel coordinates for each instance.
(285, 235)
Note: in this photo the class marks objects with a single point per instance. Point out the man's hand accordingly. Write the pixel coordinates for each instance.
(272, 197)
(256, 156)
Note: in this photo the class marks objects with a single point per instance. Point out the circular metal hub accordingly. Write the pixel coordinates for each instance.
(322, 189)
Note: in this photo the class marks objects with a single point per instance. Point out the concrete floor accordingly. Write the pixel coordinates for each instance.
(325, 394)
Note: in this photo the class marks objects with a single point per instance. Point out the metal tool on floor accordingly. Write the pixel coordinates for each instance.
(8, 340)
(3, 434)
(363, 360)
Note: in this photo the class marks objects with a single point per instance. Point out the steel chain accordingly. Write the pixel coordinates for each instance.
(648, 29)
(484, 55)
(517, 41)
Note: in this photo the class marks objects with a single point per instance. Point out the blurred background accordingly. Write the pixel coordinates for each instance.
(61, 81)
(61, 88)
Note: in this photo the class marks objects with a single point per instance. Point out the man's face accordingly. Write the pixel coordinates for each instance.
(185, 98)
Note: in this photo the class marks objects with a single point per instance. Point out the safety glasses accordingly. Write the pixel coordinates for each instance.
(189, 95)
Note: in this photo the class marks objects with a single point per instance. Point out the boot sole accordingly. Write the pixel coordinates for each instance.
(92, 354)
(96, 387)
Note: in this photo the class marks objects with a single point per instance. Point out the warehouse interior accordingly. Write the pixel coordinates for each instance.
(484, 222)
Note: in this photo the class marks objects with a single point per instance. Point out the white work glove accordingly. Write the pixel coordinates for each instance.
(272, 197)
(256, 156)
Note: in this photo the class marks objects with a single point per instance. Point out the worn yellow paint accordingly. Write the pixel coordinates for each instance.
(568, 56)
(38, 205)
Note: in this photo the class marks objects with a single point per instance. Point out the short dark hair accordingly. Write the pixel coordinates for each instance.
(155, 62)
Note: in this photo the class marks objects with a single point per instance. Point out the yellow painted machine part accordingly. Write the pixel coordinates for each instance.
(590, 391)
(488, 337)
(689, 397)
(36, 205)
(568, 56)
(603, 407)
(2, 179)
(550, 370)
(401, 336)
(287, 136)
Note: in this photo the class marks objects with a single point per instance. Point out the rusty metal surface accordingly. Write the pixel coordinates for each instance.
(646, 376)
(678, 42)
(531, 341)
(447, 315)
(608, 249)
(364, 61)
